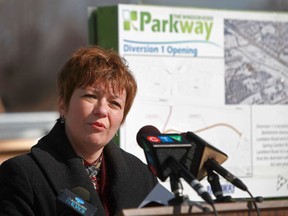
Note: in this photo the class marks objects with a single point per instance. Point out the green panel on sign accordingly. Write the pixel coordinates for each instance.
(103, 27)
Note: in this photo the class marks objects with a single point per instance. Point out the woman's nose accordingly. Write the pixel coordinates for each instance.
(101, 108)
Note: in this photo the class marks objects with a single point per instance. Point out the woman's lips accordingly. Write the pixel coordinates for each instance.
(98, 125)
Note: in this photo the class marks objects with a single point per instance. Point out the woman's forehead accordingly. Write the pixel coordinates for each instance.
(107, 88)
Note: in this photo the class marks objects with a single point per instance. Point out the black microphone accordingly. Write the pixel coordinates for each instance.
(214, 165)
(179, 169)
(164, 152)
(208, 157)
(74, 203)
(159, 147)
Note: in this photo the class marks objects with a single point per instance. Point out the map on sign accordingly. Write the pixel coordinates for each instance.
(256, 61)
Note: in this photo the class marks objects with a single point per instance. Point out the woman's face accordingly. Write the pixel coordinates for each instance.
(92, 117)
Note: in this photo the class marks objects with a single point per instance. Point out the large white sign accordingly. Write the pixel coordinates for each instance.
(220, 74)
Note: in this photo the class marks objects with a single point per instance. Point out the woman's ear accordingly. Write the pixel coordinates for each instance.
(62, 107)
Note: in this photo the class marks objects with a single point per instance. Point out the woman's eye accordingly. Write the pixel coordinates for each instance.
(116, 104)
(90, 96)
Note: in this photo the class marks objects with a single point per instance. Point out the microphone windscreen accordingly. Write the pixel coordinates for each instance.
(74, 202)
(148, 129)
(81, 192)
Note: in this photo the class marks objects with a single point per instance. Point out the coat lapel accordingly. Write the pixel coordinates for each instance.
(121, 178)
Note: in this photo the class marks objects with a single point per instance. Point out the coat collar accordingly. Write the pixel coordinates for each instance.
(64, 169)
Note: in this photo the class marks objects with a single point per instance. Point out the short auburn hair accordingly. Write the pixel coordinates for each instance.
(93, 65)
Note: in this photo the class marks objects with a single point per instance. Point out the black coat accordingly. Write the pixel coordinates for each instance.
(29, 184)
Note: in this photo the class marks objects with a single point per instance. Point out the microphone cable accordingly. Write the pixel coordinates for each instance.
(253, 200)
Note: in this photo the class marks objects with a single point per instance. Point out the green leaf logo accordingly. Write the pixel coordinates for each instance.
(130, 17)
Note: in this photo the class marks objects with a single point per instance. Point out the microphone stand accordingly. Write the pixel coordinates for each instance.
(177, 190)
(213, 179)
(180, 199)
